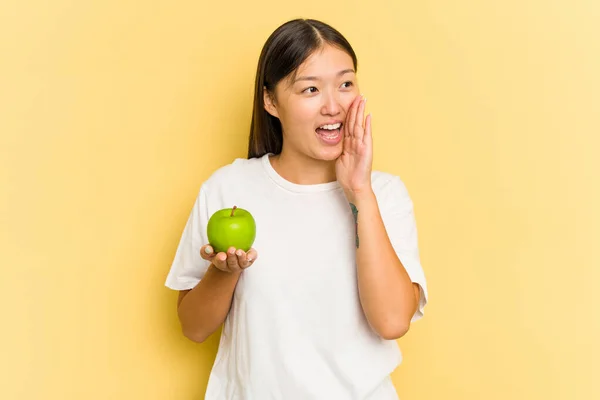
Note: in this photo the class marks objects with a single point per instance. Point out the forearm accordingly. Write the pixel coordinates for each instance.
(386, 291)
(203, 309)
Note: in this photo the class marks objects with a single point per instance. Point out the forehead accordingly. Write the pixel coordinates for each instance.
(327, 60)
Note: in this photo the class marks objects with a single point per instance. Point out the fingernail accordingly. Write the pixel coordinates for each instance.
(239, 252)
(249, 260)
(208, 250)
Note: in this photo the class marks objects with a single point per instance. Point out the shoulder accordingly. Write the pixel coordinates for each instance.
(239, 170)
(383, 182)
(389, 188)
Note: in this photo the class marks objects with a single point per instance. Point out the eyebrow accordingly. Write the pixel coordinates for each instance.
(314, 78)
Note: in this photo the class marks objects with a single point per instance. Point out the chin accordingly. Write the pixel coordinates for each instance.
(330, 154)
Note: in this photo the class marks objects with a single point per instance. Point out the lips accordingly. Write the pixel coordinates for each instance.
(330, 136)
(328, 133)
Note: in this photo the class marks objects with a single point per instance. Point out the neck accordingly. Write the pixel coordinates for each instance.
(303, 170)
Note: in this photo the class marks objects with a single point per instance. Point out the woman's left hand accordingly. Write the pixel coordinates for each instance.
(353, 167)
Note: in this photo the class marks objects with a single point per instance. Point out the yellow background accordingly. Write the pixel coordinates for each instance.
(112, 113)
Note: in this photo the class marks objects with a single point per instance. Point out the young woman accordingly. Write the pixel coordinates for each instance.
(312, 311)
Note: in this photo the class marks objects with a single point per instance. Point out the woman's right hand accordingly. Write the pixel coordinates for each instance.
(234, 260)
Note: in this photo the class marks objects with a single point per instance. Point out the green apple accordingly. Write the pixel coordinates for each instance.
(231, 227)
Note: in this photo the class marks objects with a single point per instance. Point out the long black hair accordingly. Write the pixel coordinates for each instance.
(283, 52)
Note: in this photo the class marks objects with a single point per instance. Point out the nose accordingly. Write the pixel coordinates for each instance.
(331, 104)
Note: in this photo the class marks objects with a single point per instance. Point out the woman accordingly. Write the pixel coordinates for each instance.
(312, 311)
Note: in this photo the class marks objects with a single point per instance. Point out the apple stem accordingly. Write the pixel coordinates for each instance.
(232, 211)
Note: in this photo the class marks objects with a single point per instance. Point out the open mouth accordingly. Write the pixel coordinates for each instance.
(330, 133)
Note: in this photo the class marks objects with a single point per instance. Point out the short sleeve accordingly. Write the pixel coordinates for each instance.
(400, 223)
(188, 267)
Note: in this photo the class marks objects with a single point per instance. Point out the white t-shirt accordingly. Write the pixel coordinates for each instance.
(296, 329)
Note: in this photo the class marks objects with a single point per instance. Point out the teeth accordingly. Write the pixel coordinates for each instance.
(331, 127)
(330, 135)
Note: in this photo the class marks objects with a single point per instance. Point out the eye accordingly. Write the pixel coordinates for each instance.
(311, 89)
(347, 84)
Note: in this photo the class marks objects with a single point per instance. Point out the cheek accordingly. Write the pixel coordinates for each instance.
(303, 113)
(298, 119)
(348, 99)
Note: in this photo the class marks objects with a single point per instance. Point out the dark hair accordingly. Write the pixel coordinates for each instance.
(283, 52)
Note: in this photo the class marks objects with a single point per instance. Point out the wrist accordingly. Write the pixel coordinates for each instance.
(223, 274)
(360, 197)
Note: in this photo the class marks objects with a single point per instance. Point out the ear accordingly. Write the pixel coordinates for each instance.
(269, 101)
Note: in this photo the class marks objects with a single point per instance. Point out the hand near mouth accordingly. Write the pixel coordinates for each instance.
(353, 167)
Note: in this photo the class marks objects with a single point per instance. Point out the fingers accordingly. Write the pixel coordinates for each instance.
(251, 256)
(360, 117)
(367, 135)
(245, 259)
(351, 119)
(231, 261)
(207, 252)
(220, 261)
